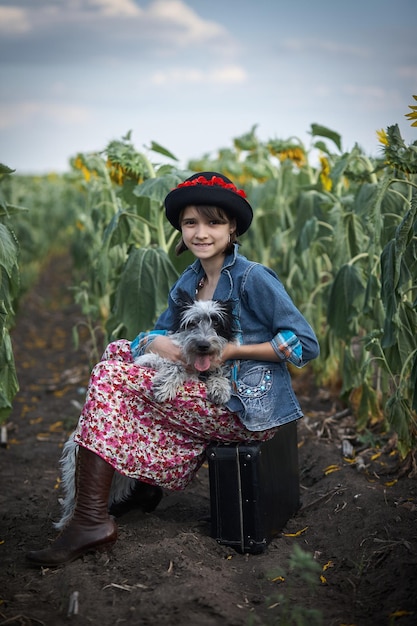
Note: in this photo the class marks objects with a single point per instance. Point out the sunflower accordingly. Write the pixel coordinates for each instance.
(326, 181)
(398, 154)
(382, 137)
(116, 172)
(79, 164)
(413, 113)
(296, 155)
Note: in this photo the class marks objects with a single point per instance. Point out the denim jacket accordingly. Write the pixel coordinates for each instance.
(262, 394)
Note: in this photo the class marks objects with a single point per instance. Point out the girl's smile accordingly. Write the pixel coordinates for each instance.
(204, 236)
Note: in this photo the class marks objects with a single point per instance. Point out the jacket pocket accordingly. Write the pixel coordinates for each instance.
(255, 383)
(264, 398)
(256, 394)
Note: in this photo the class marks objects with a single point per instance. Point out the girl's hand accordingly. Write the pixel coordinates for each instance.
(230, 352)
(165, 347)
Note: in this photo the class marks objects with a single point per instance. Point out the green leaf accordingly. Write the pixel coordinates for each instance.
(407, 339)
(158, 188)
(323, 131)
(5, 170)
(355, 235)
(155, 147)
(399, 417)
(350, 371)
(389, 293)
(142, 293)
(368, 406)
(307, 235)
(248, 141)
(365, 197)
(340, 167)
(371, 295)
(347, 289)
(320, 145)
(117, 230)
(413, 382)
(9, 385)
(8, 250)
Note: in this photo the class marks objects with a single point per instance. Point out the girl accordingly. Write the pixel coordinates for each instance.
(123, 428)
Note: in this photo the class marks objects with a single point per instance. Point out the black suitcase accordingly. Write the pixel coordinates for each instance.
(254, 489)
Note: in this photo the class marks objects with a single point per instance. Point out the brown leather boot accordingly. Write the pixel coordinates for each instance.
(90, 527)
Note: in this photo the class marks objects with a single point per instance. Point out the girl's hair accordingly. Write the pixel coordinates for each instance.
(211, 213)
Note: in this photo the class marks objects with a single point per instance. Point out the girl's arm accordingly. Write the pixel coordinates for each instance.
(293, 339)
(251, 352)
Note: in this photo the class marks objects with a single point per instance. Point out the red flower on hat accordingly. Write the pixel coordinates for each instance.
(214, 181)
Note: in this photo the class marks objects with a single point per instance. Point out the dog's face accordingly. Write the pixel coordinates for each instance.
(204, 327)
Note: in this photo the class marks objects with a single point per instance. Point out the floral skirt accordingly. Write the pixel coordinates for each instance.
(162, 443)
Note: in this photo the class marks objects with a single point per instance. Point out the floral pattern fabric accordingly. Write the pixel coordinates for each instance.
(159, 443)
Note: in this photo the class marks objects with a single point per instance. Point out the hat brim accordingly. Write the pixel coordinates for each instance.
(234, 205)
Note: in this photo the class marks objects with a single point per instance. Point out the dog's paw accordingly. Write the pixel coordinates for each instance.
(219, 398)
(218, 390)
(165, 384)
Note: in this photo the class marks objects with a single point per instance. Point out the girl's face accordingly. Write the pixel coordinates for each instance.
(206, 236)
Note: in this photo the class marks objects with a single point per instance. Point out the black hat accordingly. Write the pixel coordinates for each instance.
(209, 188)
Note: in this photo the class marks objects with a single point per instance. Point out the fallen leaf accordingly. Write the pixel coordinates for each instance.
(297, 534)
(36, 420)
(401, 613)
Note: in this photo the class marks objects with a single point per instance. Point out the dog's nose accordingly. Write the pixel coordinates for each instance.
(203, 346)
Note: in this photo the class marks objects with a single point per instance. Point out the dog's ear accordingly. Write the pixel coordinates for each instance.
(184, 298)
(184, 302)
(231, 326)
(228, 308)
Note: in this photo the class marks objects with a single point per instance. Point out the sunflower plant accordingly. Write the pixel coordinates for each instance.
(341, 235)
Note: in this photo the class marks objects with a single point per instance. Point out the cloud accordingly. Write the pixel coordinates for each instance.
(110, 8)
(408, 72)
(373, 97)
(367, 92)
(187, 26)
(229, 74)
(309, 45)
(13, 20)
(30, 112)
(80, 30)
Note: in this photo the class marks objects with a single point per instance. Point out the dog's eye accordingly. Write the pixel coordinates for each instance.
(216, 322)
(191, 325)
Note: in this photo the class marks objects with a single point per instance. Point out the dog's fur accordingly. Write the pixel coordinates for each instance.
(204, 328)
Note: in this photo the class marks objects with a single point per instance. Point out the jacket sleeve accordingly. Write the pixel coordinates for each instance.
(292, 337)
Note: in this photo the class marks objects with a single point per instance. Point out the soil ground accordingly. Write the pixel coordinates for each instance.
(357, 519)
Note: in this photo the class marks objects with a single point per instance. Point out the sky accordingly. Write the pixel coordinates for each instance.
(192, 75)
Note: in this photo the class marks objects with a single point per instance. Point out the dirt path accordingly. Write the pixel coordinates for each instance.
(360, 526)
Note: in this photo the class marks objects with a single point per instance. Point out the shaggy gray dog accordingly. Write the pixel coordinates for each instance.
(204, 328)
